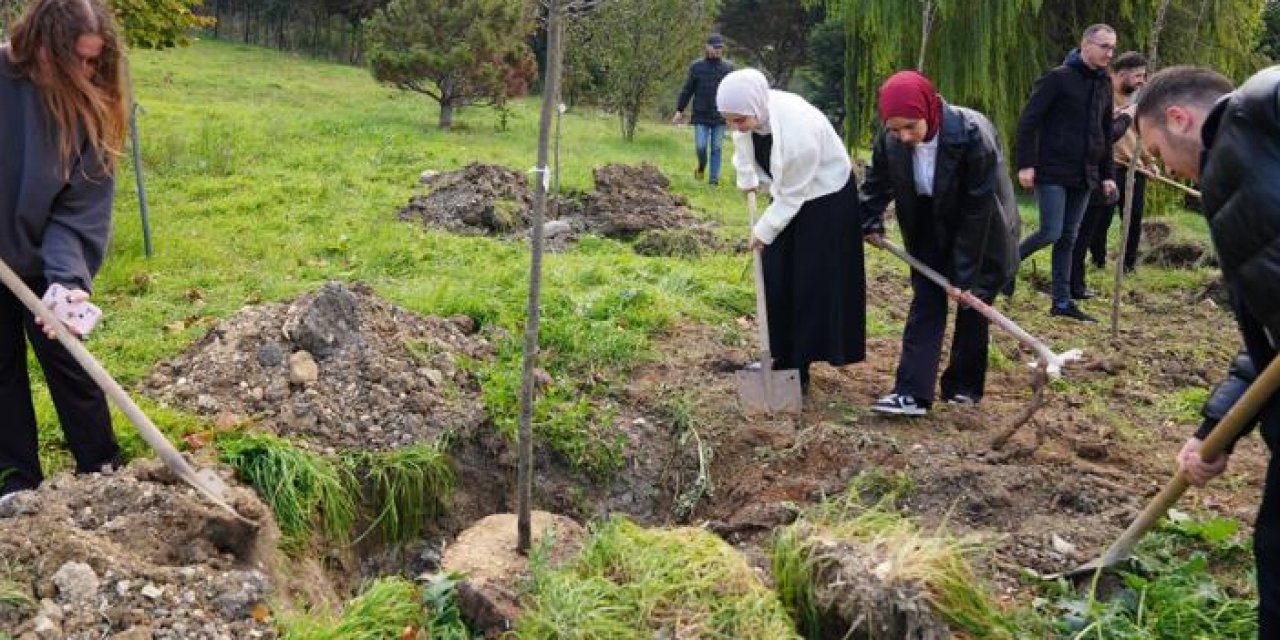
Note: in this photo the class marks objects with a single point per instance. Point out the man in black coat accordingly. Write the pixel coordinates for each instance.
(700, 86)
(1230, 142)
(1064, 152)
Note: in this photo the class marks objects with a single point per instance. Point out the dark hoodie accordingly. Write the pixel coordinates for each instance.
(1064, 132)
(54, 223)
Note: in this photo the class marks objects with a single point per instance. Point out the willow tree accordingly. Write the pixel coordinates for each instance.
(986, 54)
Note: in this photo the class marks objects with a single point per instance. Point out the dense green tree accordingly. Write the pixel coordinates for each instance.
(456, 52)
(634, 48)
(1269, 40)
(773, 33)
(987, 53)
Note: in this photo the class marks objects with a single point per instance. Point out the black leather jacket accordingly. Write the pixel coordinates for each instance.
(1240, 182)
(975, 215)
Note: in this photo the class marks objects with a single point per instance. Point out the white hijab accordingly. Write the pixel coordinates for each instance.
(745, 92)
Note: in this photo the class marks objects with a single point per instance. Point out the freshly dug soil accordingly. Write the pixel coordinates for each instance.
(134, 552)
(339, 370)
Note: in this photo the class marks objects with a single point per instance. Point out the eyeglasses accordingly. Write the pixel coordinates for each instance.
(1102, 45)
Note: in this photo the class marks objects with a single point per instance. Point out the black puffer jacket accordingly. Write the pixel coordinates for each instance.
(1240, 182)
(1064, 130)
(975, 215)
(701, 85)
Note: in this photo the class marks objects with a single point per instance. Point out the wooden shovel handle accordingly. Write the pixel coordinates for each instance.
(115, 392)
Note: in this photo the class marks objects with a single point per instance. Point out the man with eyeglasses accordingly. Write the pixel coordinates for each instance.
(1063, 151)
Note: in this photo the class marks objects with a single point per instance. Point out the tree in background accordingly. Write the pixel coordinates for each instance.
(774, 33)
(1269, 42)
(634, 48)
(822, 79)
(987, 53)
(158, 24)
(456, 52)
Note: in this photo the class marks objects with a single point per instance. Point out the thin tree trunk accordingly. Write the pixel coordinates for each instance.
(929, 11)
(446, 114)
(524, 524)
(1153, 61)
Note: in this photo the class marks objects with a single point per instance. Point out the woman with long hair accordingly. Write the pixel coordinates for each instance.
(62, 124)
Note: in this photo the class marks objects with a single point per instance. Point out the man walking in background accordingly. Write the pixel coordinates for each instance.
(708, 127)
(1128, 74)
(1064, 151)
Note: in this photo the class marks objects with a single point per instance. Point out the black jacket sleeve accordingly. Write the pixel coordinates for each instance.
(1106, 168)
(75, 240)
(690, 86)
(1043, 95)
(1241, 374)
(877, 187)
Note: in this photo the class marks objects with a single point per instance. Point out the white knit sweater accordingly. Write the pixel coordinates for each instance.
(808, 161)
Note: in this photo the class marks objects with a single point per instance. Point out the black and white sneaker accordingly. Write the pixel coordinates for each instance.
(963, 400)
(898, 404)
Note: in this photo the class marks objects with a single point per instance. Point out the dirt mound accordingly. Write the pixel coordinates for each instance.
(629, 201)
(134, 552)
(340, 369)
(1165, 249)
(481, 198)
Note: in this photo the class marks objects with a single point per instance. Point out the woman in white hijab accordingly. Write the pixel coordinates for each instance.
(811, 233)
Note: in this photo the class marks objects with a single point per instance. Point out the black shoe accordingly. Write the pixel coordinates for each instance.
(962, 399)
(1009, 287)
(1070, 310)
(1083, 294)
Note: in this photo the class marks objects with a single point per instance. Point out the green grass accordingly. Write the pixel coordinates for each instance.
(269, 174)
(1170, 592)
(384, 610)
(633, 583)
(407, 486)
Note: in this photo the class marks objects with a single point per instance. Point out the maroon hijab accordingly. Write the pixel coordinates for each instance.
(908, 94)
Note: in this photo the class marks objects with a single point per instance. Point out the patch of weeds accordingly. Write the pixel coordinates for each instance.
(680, 410)
(1171, 593)
(386, 609)
(15, 595)
(306, 491)
(1183, 405)
(937, 563)
(440, 603)
(407, 486)
(631, 583)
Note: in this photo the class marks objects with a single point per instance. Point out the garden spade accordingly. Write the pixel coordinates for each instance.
(1053, 362)
(205, 481)
(765, 390)
(1240, 416)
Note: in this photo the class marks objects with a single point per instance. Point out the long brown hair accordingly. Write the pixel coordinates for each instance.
(83, 108)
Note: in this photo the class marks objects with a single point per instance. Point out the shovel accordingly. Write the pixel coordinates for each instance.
(205, 481)
(1241, 414)
(1052, 362)
(765, 390)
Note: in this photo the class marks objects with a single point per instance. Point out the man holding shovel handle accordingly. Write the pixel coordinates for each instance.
(1229, 141)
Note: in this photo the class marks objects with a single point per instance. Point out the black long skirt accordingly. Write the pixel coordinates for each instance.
(815, 284)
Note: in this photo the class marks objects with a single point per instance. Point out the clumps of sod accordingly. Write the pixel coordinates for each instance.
(317, 496)
(386, 609)
(635, 583)
(848, 569)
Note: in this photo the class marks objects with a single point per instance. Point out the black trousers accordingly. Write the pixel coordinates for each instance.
(81, 405)
(1266, 553)
(926, 326)
(1096, 224)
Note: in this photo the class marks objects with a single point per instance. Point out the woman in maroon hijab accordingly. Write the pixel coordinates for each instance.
(943, 166)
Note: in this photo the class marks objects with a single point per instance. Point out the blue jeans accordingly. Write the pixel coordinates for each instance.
(708, 135)
(1061, 209)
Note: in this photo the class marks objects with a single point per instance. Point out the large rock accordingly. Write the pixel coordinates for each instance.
(486, 554)
(325, 324)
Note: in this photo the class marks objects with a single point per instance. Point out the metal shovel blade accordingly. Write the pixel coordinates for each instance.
(768, 391)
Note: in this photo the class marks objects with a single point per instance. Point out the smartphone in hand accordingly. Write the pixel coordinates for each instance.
(80, 315)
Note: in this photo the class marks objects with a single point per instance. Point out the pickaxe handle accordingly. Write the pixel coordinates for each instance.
(1052, 360)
